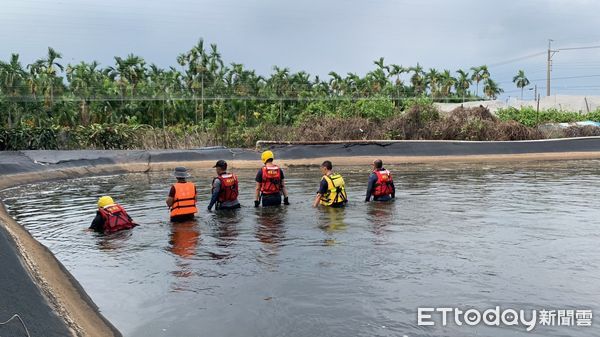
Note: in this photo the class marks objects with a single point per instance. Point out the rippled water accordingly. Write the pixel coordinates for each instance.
(522, 237)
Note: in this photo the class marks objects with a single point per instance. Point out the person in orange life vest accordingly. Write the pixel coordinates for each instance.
(381, 185)
(111, 217)
(224, 189)
(270, 183)
(182, 197)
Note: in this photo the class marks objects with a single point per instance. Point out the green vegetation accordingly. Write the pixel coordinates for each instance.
(530, 117)
(201, 101)
(225, 103)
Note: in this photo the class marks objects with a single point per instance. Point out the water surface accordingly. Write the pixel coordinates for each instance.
(518, 236)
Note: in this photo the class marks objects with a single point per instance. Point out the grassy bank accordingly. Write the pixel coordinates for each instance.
(531, 117)
(419, 120)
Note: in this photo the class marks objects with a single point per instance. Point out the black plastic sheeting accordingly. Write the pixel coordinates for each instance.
(20, 295)
(433, 148)
(34, 161)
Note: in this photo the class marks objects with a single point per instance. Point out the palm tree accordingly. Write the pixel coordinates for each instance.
(380, 64)
(131, 70)
(447, 82)
(336, 83)
(463, 83)
(417, 79)
(377, 80)
(479, 74)
(12, 79)
(433, 79)
(521, 81)
(280, 83)
(491, 89)
(397, 70)
(84, 80)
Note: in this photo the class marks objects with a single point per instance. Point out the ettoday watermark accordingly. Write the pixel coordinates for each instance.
(497, 316)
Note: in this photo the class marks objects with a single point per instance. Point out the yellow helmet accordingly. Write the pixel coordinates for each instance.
(266, 156)
(105, 201)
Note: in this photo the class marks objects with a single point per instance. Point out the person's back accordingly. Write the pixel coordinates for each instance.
(270, 183)
(182, 197)
(225, 189)
(332, 189)
(381, 184)
(111, 217)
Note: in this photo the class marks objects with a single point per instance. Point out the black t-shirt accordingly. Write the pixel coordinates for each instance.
(323, 187)
(98, 223)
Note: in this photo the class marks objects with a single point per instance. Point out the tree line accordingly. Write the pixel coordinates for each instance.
(202, 90)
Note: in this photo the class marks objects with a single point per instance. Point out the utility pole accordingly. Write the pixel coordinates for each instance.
(202, 94)
(549, 65)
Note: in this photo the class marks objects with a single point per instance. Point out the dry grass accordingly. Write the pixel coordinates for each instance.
(581, 131)
(460, 124)
(333, 128)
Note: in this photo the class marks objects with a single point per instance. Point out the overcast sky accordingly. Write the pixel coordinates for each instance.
(319, 35)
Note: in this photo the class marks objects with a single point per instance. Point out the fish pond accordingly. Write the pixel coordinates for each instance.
(520, 236)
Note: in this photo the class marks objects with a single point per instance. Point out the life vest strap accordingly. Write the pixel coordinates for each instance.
(178, 207)
(186, 199)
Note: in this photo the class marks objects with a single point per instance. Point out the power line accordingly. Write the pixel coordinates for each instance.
(579, 48)
(556, 78)
(516, 59)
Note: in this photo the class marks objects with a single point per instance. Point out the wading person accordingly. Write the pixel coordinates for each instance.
(270, 184)
(224, 189)
(332, 190)
(182, 197)
(111, 217)
(381, 185)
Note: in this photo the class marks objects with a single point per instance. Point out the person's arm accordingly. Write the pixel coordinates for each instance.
(393, 190)
(283, 188)
(97, 223)
(370, 186)
(215, 194)
(171, 198)
(317, 200)
(257, 192)
(322, 190)
(258, 186)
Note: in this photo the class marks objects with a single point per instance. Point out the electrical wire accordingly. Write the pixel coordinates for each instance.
(516, 59)
(20, 320)
(579, 48)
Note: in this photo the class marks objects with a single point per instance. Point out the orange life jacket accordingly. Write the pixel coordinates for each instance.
(229, 187)
(184, 202)
(271, 180)
(383, 186)
(115, 219)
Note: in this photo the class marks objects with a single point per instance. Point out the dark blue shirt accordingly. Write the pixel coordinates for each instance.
(323, 187)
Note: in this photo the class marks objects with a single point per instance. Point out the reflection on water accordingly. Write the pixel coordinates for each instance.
(270, 232)
(115, 241)
(381, 216)
(479, 236)
(331, 220)
(184, 238)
